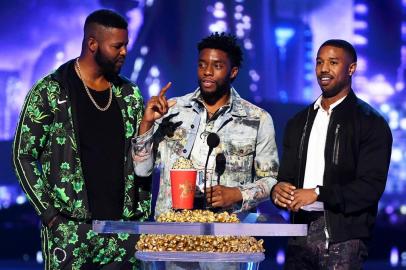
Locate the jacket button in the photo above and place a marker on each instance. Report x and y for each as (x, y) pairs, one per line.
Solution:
(184, 150)
(192, 126)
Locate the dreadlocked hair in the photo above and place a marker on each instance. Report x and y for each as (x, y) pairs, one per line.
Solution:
(225, 42)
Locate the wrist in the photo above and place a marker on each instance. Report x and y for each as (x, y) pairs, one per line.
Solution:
(238, 197)
(145, 126)
(317, 191)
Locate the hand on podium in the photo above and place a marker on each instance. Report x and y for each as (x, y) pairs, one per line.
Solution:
(222, 196)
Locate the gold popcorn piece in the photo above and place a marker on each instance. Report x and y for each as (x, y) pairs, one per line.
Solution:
(199, 243)
(183, 163)
(203, 216)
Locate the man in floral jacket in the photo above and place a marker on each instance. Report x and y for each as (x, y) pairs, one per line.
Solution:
(72, 152)
(247, 137)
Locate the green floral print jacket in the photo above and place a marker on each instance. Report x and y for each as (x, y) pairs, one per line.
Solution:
(46, 155)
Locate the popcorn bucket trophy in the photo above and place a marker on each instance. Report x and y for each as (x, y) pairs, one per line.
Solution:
(183, 184)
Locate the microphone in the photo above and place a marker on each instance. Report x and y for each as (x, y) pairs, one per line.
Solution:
(220, 166)
(212, 141)
(219, 170)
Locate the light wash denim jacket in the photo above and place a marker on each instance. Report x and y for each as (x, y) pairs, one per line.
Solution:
(247, 139)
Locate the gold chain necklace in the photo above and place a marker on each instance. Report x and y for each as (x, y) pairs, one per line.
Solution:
(88, 91)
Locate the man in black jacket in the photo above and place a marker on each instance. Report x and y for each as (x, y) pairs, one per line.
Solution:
(333, 171)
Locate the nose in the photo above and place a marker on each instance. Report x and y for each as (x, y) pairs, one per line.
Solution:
(208, 70)
(123, 51)
(325, 67)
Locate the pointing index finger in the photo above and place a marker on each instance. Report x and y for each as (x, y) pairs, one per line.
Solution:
(164, 89)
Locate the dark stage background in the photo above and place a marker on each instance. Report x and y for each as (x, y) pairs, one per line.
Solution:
(280, 39)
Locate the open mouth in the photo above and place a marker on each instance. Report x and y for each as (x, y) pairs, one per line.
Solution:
(324, 80)
(208, 83)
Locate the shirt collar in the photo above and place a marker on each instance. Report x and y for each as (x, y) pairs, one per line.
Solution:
(235, 106)
(317, 104)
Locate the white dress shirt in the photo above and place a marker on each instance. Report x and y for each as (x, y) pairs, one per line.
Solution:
(315, 152)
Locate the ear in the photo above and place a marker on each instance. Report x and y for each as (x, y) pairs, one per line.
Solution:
(352, 68)
(233, 73)
(92, 44)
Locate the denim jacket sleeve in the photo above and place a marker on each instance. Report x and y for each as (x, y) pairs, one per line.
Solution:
(142, 153)
(266, 165)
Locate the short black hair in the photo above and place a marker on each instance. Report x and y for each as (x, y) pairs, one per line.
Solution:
(106, 18)
(225, 42)
(345, 45)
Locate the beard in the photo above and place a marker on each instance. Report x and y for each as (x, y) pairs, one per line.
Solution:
(335, 90)
(211, 97)
(107, 66)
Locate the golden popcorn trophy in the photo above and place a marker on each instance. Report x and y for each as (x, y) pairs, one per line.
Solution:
(201, 239)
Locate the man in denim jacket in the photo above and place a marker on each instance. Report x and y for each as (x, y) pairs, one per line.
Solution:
(179, 128)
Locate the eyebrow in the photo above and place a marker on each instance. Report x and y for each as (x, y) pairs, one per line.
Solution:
(125, 42)
(330, 58)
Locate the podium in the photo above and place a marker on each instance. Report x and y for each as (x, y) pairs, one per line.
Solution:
(251, 224)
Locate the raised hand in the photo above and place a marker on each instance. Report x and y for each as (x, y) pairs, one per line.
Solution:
(155, 109)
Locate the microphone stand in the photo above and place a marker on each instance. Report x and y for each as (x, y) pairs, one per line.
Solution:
(205, 180)
(213, 141)
(220, 168)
